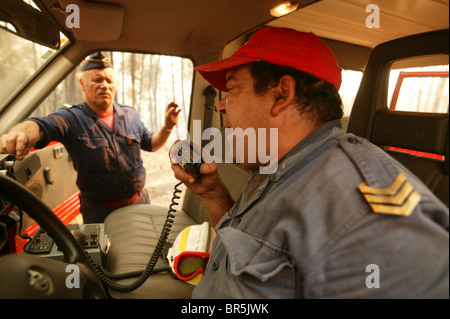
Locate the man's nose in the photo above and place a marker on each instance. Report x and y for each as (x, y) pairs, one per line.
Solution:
(105, 83)
(221, 106)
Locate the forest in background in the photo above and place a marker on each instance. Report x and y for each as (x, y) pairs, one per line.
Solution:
(146, 82)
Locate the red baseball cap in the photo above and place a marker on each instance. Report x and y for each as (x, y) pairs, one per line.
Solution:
(281, 46)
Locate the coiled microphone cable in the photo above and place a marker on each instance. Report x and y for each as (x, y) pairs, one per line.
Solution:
(108, 279)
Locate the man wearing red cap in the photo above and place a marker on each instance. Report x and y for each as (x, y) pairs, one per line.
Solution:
(310, 229)
(103, 138)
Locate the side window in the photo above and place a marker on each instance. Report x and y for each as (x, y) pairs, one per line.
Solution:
(145, 81)
(350, 84)
(149, 83)
(349, 87)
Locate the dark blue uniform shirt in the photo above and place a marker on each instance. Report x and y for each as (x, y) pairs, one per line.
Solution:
(108, 162)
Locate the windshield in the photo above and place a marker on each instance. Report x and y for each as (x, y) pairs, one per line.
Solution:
(19, 60)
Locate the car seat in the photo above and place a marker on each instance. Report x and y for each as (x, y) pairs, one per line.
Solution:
(425, 132)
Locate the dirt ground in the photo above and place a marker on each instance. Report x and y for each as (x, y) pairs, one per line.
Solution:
(160, 181)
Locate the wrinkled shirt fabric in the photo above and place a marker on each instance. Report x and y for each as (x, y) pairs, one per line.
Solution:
(307, 232)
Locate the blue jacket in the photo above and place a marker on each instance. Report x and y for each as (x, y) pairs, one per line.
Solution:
(108, 162)
(307, 231)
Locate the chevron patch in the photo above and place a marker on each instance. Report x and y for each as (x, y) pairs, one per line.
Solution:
(400, 198)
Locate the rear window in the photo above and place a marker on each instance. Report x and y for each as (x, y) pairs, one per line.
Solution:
(420, 88)
(419, 85)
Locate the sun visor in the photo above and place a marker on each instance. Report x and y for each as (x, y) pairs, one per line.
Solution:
(98, 22)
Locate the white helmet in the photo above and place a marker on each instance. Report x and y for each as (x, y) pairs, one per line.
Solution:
(190, 252)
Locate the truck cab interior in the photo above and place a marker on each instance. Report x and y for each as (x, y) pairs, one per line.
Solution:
(383, 43)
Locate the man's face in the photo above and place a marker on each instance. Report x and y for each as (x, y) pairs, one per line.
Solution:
(248, 111)
(99, 88)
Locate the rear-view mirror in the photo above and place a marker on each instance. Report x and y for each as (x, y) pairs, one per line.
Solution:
(29, 23)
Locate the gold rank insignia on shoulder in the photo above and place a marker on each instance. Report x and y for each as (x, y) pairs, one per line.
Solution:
(398, 199)
(68, 105)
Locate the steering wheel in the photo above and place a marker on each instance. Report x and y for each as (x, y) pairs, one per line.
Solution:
(30, 276)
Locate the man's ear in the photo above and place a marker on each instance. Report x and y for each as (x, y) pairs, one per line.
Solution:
(284, 94)
(81, 83)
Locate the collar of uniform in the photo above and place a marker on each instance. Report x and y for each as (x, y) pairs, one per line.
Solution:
(88, 110)
(256, 184)
(118, 109)
(251, 193)
(305, 147)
